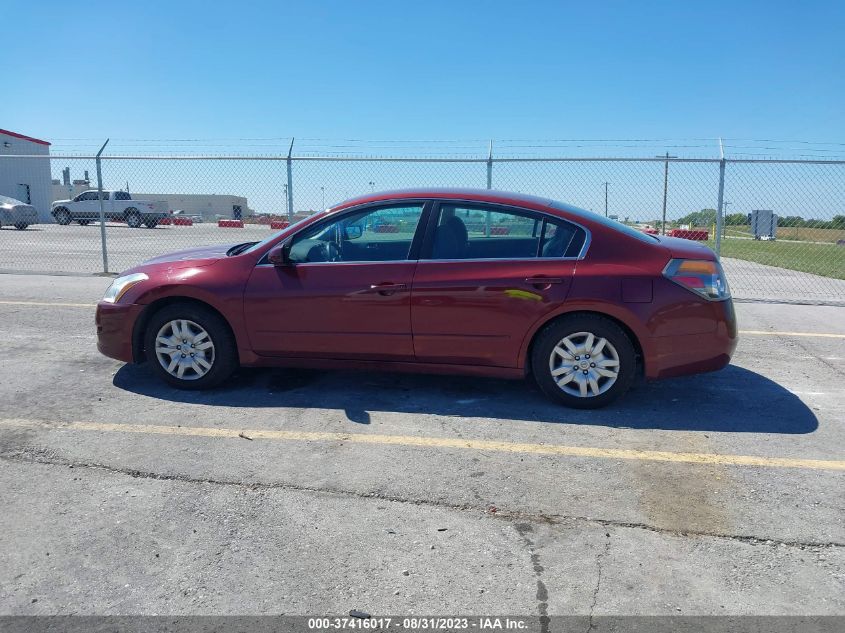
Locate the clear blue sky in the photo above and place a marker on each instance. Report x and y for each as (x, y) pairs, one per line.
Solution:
(423, 70)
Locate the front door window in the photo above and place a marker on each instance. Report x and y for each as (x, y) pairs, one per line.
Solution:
(372, 235)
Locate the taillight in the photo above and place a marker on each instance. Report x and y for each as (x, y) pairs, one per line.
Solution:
(703, 277)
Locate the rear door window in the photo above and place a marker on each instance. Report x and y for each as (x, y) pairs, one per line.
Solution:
(481, 232)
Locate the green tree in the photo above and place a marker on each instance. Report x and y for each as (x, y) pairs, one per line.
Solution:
(792, 220)
(705, 217)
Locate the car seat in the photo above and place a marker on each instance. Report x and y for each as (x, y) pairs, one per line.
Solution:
(451, 239)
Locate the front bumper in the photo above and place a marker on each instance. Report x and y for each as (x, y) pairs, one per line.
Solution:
(115, 325)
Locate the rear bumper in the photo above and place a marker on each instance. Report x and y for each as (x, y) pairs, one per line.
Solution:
(19, 216)
(682, 355)
(115, 324)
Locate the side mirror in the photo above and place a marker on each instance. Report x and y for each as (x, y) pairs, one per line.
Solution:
(353, 231)
(280, 256)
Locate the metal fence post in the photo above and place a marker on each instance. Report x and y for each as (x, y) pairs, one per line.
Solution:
(102, 209)
(489, 186)
(665, 189)
(490, 167)
(290, 183)
(721, 201)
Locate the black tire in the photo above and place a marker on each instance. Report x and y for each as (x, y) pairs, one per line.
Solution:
(151, 224)
(83, 222)
(572, 325)
(133, 218)
(63, 216)
(225, 359)
(20, 226)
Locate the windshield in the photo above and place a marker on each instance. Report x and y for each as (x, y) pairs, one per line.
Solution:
(272, 237)
(8, 200)
(600, 219)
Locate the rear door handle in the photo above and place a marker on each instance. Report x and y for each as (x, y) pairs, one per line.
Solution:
(386, 289)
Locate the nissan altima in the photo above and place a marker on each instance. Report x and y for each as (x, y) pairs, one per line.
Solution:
(456, 281)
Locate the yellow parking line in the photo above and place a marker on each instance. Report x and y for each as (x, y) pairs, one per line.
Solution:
(51, 304)
(767, 333)
(436, 442)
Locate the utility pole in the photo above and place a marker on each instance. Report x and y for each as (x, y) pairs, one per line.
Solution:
(665, 187)
(323, 198)
(605, 198)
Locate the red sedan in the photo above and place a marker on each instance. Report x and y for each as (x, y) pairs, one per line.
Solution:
(449, 281)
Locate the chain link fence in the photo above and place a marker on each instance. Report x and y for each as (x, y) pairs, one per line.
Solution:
(185, 202)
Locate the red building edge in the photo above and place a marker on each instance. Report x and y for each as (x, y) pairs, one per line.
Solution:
(23, 137)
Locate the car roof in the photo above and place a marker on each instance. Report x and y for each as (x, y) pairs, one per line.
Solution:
(461, 193)
(472, 195)
(537, 203)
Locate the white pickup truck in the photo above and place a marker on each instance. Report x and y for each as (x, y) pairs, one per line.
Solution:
(117, 205)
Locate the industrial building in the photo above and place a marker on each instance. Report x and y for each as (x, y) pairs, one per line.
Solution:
(67, 189)
(211, 207)
(26, 179)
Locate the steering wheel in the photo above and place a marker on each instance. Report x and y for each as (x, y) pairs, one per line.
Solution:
(332, 252)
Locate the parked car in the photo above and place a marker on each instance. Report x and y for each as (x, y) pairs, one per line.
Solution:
(580, 303)
(16, 213)
(195, 218)
(118, 207)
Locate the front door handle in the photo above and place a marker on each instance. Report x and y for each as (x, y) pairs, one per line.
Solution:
(387, 289)
(542, 283)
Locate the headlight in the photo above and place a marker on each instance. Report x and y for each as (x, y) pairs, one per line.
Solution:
(120, 285)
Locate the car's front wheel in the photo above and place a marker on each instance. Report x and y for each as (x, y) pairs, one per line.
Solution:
(20, 226)
(190, 347)
(583, 361)
(63, 216)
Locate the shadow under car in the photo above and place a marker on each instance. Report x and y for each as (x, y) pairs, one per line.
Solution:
(732, 400)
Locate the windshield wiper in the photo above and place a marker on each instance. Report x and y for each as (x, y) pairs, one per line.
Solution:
(240, 248)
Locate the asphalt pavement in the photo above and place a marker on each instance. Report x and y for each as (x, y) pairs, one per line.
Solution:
(307, 492)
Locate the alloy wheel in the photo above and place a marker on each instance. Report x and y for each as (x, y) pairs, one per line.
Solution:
(184, 349)
(584, 365)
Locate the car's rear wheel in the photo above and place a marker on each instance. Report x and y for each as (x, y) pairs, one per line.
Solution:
(151, 224)
(83, 222)
(133, 218)
(583, 361)
(20, 226)
(190, 347)
(63, 216)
